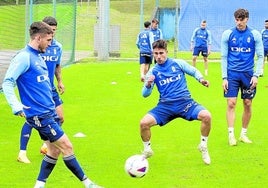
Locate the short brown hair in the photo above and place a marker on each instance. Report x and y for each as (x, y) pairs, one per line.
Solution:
(241, 13)
(39, 28)
(162, 44)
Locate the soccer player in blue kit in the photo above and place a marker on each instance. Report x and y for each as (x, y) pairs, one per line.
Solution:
(157, 33)
(155, 30)
(29, 72)
(52, 57)
(201, 42)
(238, 48)
(264, 34)
(169, 76)
(144, 43)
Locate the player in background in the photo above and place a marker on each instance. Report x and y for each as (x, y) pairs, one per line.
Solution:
(29, 72)
(201, 42)
(169, 76)
(144, 43)
(264, 34)
(238, 48)
(156, 31)
(52, 57)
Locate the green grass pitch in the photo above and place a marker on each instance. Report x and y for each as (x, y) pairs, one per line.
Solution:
(103, 101)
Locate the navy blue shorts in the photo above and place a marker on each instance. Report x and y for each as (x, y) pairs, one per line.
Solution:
(265, 52)
(203, 50)
(186, 108)
(240, 81)
(47, 126)
(146, 58)
(56, 97)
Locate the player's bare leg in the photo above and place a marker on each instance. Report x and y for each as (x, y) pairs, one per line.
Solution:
(230, 116)
(245, 121)
(205, 117)
(142, 71)
(145, 131)
(194, 60)
(206, 65)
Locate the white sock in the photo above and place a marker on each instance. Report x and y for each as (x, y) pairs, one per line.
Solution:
(243, 132)
(39, 184)
(147, 145)
(22, 152)
(86, 182)
(231, 131)
(204, 141)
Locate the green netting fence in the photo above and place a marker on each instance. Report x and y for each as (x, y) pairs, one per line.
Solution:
(17, 15)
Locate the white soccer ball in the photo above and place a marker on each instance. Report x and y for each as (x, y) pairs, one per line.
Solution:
(136, 166)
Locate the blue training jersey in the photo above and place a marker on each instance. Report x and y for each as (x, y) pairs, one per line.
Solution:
(157, 33)
(144, 41)
(170, 79)
(238, 49)
(52, 57)
(201, 37)
(264, 34)
(29, 71)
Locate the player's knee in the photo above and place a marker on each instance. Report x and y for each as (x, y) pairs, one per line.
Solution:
(205, 116)
(144, 125)
(231, 104)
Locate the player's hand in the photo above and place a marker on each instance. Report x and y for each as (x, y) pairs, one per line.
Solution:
(20, 113)
(61, 88)
(204, 82)
(225, 85)
(253, 82)
(149, 81)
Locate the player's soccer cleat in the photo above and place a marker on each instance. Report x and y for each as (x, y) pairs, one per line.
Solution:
(93, 185)
(232, 141)
(147, 153)
(205, 155)
(245, 139)
(23, 158)
(43, 149)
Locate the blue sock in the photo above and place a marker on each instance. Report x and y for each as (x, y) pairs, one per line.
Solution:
(47, 166)
(25, 135)
(74, 166)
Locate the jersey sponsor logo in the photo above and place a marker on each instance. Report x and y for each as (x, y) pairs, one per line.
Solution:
(240, 49)
(50, 58)
(169, 80)
(248, 91)
(42, 78)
